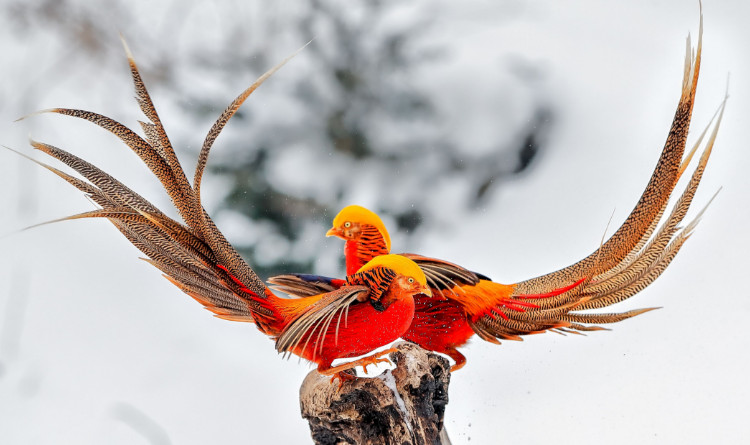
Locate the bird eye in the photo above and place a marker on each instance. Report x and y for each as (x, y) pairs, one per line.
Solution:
(347, 224)
(411, 280)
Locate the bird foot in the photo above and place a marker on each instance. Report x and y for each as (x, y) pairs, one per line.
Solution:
(343, 376)
(375, 359)
(337, 372)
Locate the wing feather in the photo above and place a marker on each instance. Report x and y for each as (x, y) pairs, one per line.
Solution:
(312, 319)
(648, 208)
(635, 256)
(196, 257)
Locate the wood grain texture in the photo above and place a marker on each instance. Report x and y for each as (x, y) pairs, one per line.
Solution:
(367, 411)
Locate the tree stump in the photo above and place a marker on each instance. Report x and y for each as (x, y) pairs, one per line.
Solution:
(398, 407)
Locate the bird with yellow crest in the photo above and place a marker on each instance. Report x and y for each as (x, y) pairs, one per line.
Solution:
(470, 303)
(371, 308)
(434, 303)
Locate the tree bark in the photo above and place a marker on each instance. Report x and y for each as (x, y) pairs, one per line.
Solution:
(398, 407)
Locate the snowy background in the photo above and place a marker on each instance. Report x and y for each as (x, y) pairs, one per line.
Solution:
(96, 347)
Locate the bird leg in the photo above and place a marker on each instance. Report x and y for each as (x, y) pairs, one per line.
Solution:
(457, 356)
(337, 372)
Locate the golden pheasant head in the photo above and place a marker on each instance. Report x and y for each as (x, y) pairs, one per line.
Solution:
(352, 221)
(390, 278)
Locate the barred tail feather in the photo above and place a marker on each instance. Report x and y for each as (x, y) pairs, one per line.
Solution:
(651, 202)
(196, 257)
(636, 255)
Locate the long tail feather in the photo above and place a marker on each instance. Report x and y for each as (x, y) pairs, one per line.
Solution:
(639, 251)
(656, 194)
(224, 118)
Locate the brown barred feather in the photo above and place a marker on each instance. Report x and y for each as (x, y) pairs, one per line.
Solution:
(195, 256)
(215, 130)
(167, 262)
(183, 235)
(215, 239)
(584, 328)
(548, 314)
(648, 255)
(94, 193)
(185, 275)
(634, 256)
(152, 137)
(209, 300)
(144, 246)
(491, 335)
(604, 318)
(493, 327)
(654, 224)
(297, 287)
(154, 234)
(160, 142)
(238, 318)
(642, 281)
(656, 194)
(524, 327)
(231, 259)
(112, 188)
(150, 156)
(636, 269)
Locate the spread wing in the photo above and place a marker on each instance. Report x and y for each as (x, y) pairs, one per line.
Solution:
(195, 256)
(644, 218)
(443, 275)
(313, 323)
(304, 285)
(633, 257)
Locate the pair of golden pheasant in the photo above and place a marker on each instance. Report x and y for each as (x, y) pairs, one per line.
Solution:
(434, 303)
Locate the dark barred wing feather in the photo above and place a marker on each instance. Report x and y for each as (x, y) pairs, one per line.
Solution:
(304, 285)
(195, 256)
(634, 256)
(443, 275)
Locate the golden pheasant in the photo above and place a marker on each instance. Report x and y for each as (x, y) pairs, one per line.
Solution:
(472, 304)
(372, 308)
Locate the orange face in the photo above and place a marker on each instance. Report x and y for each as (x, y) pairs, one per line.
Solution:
(347, 231)
(391, 278)
(352, 221)
(401, 287)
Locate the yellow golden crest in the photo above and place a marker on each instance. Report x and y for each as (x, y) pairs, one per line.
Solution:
(361, 215)
(399, 264)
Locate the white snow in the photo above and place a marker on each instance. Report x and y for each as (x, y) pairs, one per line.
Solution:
(390, 382)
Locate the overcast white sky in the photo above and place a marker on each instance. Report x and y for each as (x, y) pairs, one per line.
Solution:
(100, 341)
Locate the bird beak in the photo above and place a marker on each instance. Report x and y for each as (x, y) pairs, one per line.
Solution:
(427, 291)
(333, 231)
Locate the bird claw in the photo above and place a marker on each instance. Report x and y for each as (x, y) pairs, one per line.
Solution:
(339, 372)
(376, 359)
(342, 376)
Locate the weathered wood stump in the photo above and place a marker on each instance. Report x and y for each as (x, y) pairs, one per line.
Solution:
(402, 406)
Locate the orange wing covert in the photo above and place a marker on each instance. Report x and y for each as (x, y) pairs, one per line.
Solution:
(627, 263)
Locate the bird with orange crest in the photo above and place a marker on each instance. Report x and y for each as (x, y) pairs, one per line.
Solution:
(468, 303)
